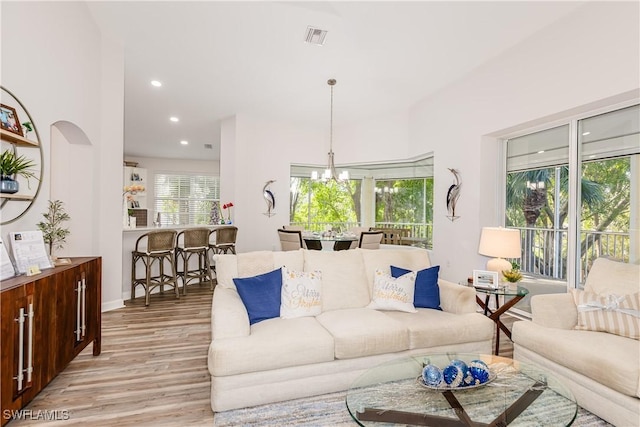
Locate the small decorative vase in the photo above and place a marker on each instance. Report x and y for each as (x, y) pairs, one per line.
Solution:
(132, 222)
(9, 185)
(229, 222)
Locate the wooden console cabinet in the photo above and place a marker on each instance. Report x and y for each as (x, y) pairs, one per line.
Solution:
(46, 320)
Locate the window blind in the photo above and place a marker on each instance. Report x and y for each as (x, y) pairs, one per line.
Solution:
(182, 199)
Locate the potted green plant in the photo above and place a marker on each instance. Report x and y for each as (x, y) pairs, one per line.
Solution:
(12, 165)
(27, 127)
(53, 232)
(512, 276)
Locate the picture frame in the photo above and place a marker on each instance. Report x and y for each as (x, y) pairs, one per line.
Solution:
(485, 279)
(9, 120)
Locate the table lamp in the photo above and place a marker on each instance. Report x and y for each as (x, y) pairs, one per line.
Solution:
(500, 243)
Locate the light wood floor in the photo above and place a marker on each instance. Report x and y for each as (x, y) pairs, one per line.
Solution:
(152, 370)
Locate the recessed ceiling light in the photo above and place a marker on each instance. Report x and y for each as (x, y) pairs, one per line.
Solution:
(184, 142)
(541, 151)
(586, 133)
(156, 83)
(174, 119)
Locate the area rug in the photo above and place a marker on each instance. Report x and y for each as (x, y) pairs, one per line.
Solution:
(327, 410)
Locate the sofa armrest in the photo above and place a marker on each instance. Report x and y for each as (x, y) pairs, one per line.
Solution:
(229, 316)
(456, 298)
(554, 311)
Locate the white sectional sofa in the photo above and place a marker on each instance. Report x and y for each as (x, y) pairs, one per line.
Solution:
(602, 369)
(280, 359)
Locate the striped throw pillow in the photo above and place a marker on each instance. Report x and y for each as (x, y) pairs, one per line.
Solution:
(615, 314)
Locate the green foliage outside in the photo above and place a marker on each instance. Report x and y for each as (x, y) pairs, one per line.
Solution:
(316, 204)
(532, 202)
(411, 201)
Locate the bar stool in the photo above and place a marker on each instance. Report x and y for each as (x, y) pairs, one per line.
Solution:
(160, 247)
(193, 242)
(225, 240)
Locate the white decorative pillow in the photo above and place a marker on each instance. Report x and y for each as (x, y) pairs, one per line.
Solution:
(615, 314)
(393, 294)
(301, 293)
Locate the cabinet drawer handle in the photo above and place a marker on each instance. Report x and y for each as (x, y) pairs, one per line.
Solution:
(20, 320)
(78, 300)
(30, 345)
(84, 306)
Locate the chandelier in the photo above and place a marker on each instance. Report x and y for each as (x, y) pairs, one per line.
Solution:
(330, 172)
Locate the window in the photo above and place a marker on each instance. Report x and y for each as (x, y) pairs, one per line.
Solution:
(185, 199)
(320, 206)
(572, 191)
(385, 195)
(406, 203)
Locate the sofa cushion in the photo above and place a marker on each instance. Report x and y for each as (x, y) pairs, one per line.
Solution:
(612, 277)
(301, 293)
(344, 283)
(253, 263)
(382, 259)
(272, 344)
(427, 291)
(261, 295)
(393, 293)
(433, 328)
(615, 314)
(609, 359)
(359, 332)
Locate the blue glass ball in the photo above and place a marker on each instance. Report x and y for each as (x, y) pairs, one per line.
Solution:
(479, 371)
(460, 364)
(453, 375)
(432, 375)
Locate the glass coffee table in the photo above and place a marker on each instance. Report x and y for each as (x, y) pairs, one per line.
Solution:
(517, 394)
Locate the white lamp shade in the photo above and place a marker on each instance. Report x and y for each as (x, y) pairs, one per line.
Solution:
(500, 242)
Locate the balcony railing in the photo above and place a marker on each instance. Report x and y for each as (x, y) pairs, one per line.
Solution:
(544, 250)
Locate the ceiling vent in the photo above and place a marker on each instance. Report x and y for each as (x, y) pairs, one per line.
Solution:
(315, 36)
(208, 146)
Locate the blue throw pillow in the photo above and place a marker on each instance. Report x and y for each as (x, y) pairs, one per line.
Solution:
(427, 293)
(261, 295)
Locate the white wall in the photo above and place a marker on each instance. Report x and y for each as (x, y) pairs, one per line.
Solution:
(586, 57)
(56, 62)
(255, 150)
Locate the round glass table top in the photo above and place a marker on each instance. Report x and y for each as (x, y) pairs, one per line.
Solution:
(520, 395)
(503, 290)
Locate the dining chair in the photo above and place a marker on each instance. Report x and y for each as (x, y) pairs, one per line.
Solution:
(225, 239)
(370, 239)
(313, 244)
(293, 227)
(356, 232)
(154, 247)
(290, 240)
(342, 245)
(189, 243)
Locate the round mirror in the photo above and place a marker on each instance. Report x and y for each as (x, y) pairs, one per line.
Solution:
(21, 164)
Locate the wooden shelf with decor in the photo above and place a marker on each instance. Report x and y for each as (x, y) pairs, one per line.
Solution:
(23, 197)
(17, 139)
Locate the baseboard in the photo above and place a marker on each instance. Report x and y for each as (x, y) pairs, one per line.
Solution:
(112, 305)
